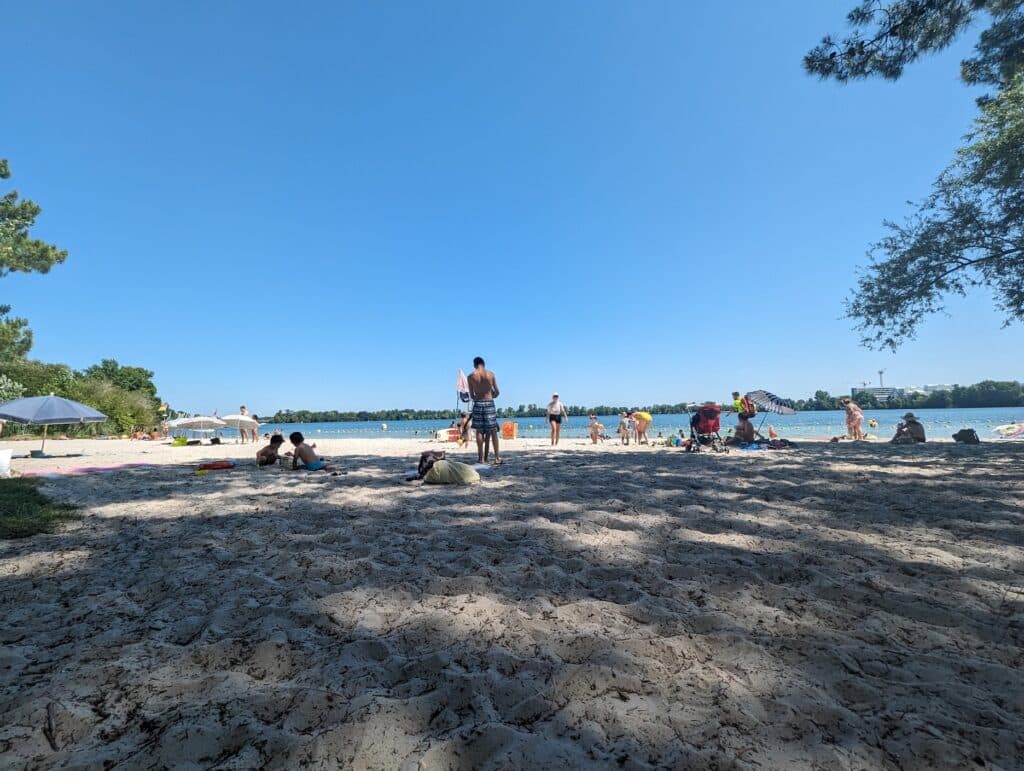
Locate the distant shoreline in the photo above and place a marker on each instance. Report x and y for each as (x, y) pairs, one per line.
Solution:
(405, 415)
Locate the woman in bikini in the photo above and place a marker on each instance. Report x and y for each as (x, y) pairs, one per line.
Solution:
(854, 419)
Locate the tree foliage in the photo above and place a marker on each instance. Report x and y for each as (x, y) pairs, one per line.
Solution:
(126, 410)
(10, 389)
(20, 252)
(129, 378)
(887, 36)
(987, 393)
(15, 336)
(126, 395)
(970, 231)
(40, 379)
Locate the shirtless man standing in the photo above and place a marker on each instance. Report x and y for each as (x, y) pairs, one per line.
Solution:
(483, 390)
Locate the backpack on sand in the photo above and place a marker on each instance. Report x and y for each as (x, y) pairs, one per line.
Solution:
(427, 459)
(966, 436)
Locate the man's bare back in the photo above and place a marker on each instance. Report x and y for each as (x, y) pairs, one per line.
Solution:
(483, 386)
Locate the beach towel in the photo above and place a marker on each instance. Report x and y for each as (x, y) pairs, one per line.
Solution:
(66, 472)
(216, 465)
(450, 472)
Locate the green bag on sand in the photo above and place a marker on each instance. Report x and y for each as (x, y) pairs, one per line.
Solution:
(450, 472)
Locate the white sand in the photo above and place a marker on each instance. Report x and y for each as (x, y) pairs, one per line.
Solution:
(833, 607)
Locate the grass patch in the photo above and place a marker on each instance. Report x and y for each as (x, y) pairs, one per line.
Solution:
(25, 511)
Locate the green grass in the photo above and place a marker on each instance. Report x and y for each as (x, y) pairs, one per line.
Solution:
(25, 511)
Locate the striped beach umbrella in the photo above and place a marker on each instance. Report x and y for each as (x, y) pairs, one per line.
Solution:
(766, 401)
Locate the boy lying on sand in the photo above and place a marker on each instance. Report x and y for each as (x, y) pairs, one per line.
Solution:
(305, 453)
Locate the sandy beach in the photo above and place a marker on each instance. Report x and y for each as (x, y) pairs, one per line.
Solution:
(837, 606)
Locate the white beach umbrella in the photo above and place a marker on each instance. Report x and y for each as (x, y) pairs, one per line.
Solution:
(197, 423)
(240, 421)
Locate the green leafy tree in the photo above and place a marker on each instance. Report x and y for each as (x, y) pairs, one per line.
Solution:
(40, 379)
(135, 379)
(970, 231)
(15, 336)
(20, 252)
(10, 389)
(126, 410)
(938, 400)
(886, 37)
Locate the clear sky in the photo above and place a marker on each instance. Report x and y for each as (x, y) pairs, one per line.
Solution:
(337, 204)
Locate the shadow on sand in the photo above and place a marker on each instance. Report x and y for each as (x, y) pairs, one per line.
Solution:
(837, 606)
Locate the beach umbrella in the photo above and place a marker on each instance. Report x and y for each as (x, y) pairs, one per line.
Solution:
(766, 401)
(49, 411)
(240, 421)
(197, 423)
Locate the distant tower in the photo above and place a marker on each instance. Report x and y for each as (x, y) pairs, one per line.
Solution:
(881, 383)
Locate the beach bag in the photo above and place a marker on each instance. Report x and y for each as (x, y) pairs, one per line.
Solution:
(427, 459)
(450, 472)
(966, 436)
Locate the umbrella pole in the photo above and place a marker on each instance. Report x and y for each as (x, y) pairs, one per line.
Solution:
(764, 416)
(43, 445)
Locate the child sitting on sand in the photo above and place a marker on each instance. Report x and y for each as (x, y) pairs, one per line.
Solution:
(305, 453)
(269, 454)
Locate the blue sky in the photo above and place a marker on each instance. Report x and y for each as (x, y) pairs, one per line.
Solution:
(336, 205)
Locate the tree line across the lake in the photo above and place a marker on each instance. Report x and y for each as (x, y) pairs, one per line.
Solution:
(987, 393)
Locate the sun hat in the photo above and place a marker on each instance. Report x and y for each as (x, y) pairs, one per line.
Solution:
(910, 416)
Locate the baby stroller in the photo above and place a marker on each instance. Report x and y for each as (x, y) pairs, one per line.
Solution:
(705, 424)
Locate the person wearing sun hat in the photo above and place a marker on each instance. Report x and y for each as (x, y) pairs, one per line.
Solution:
(910, 431)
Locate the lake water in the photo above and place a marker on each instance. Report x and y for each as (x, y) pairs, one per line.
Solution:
(938, 423)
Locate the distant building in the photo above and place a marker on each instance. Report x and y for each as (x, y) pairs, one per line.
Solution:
(927, 390)
(881, 394)
(885, 394)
